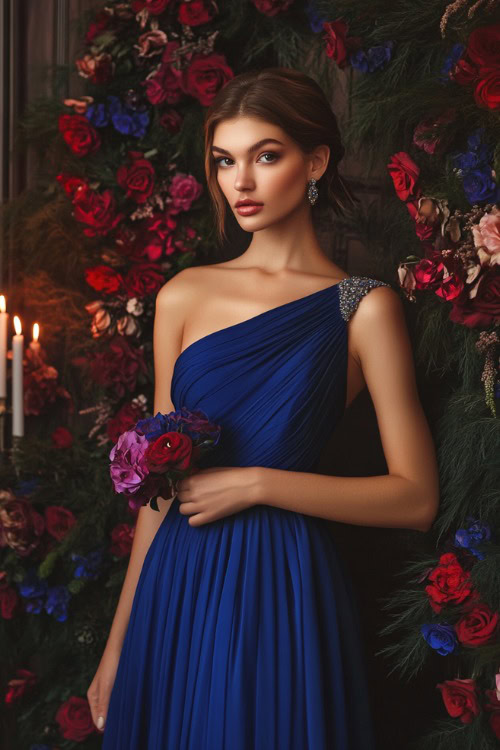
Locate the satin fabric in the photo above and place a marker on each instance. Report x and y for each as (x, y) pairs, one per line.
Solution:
(244, 632)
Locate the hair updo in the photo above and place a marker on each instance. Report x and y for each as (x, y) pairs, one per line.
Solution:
(297, 104)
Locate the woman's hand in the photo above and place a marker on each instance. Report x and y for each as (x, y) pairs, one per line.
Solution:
(100, 688)
(217, 492)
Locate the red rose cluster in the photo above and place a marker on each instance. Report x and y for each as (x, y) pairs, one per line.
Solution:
(479, 66)
(461, 700)
(75, 719)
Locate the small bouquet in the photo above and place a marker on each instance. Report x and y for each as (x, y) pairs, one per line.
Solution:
(147, 459)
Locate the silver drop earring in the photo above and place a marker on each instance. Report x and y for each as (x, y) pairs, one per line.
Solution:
(312, 191)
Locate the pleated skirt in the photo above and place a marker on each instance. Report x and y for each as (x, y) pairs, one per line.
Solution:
(244, 634)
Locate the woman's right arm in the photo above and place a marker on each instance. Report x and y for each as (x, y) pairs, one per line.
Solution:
(167, 343)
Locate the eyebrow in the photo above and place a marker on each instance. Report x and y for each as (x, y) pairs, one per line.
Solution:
(252, 148)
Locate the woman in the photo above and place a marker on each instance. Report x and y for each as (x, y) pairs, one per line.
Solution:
(236, 626)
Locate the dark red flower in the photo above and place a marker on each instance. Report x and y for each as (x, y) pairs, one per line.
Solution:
(404, 173)
(195, 12)
(450, 583)
(74, 719)
(483, 309)
(143, 279)
(477, 626)
(104, 279)
(173, 450)
(124, 420)
(58, 521)
(18, 686)
(205, 76)
(460, 699)
(97, 210)
(79, 134)
(122, 537)
(487, 91)
(9, 599)
(62, 438)
(155, 7)
(118, 367)
(272, 7)
(137, 178)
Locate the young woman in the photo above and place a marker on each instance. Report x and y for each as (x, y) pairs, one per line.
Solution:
(237, 628)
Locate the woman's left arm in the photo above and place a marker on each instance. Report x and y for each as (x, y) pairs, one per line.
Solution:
(406, 497)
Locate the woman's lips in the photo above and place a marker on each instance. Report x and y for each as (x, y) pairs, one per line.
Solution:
(249, 210)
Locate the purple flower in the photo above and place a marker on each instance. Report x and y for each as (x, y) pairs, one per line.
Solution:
(442, 638)
(194, 423)
(97, 115)
(127, 121)
(128, 466)
(57, 602)
(479, 185)
(374, 59)
(315, 21)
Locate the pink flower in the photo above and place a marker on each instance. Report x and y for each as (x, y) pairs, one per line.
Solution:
(487, 237)
(129, 471)
(184, 189)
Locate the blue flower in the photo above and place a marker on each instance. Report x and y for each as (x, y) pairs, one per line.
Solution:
(477, 533)
(39, 747)
(127, 121)
(88, 567)
(97, 115)
(442, 638)
(57, 602)
(315, 21)
(153, 427)
(479, 185)
(34, 590)
(450, 62)
(28, 486)
(375, 58)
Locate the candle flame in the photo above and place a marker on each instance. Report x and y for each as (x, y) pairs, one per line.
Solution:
(2, 303)
(17, 325)
(36, 331)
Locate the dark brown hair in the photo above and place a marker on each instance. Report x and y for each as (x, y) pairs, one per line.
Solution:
(297, 104)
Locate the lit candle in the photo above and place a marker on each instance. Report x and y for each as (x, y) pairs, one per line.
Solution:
(35, 344)
(17, 380)
(4, 317)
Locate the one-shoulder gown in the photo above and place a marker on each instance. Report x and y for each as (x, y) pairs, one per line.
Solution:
(244, 633)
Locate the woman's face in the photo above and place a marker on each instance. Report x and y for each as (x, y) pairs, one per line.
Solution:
(258, 161)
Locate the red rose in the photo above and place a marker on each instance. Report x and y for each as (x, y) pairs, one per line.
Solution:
(272, 7)
(62, 438)
(194, 13)
(464, 72)
(123, 420)
(70, 183)
(19, 685)
(483, 46)
(335, 38)
(428, 273)
(460, 699)
(97, 210)
(171, 121)
(58, 521)
(138, 178)
(205, 76)
(487, 92)
(74, 719)
(163, 86)
(21, 526)
(155, 7)
(122, 537)
(450, 582)
(118, 367)
(143, 279)
(104, 279)
(99, 24)
(9, 598)
(404, 173)
(79, 134)
(484, 309)
(450, 287)
(477, 626)
(170, 451)
(493, 705)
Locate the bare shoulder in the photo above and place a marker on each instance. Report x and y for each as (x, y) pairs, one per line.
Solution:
(181, 288)
(378, 314)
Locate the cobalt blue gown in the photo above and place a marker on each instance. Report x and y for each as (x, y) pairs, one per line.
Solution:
(244, 632)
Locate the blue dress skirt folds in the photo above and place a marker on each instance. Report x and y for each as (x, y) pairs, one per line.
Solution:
(244, 632)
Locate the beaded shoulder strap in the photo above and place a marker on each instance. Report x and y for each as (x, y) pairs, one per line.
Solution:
(352, 290)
